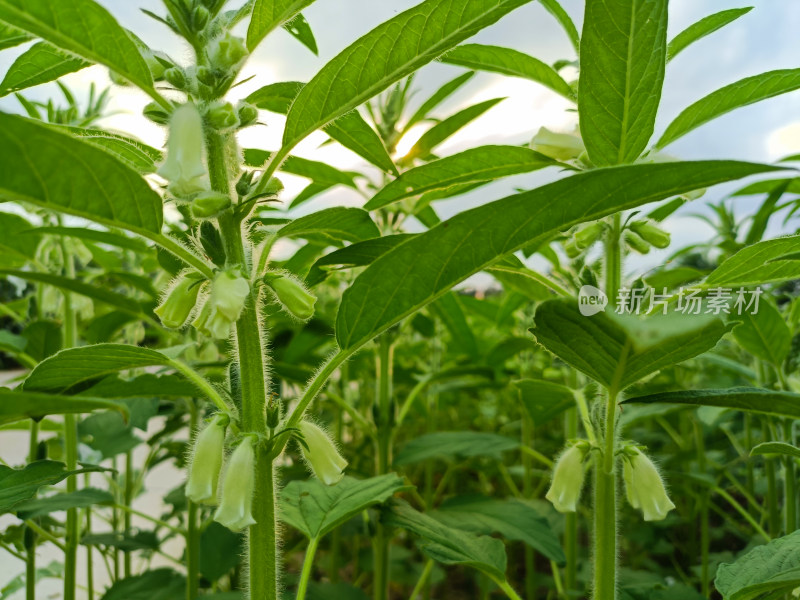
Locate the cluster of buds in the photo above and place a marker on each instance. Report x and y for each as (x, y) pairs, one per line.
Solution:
(291, 294)
(644, 486)
(568, 476)
(640, 235)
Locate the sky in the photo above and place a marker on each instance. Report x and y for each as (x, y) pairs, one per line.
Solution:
(765, 39)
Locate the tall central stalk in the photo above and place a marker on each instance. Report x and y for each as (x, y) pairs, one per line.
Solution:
(262, 546)
(384, 393)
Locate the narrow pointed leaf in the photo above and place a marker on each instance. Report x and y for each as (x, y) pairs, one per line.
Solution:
(764, 333)
(135, 154)
(385, 55)
(56, 171)
(561, 15)
(271, 14)
(300, 30)
(84, 498)
(10, 37)
(399, 283)
(497, 59)
(736, 95)
(771, 402)
(333, 226)
(702, 28)
(18, 243)
(439, 96)
(623, 54)
(318, 172)
(770, 261)
(775, 448)
(16, 405)
(39, 64)
(94, 235)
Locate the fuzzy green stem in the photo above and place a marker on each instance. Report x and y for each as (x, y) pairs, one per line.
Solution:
(605, 510)
(507, 589)
(613, 259)
(192, 530)
(30, 535)
(571, 519)
(209, 391)
(384, 458)
(308, 565)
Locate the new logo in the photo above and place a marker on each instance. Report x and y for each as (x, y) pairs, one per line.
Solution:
(591, 300)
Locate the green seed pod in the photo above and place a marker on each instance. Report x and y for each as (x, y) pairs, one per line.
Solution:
(644, 486)
(207, 205)
(238, 485)
(588, 235)
(179, 302)
(227, 52)
(568, 475)
(222, 116)
(200, 18)
(635, 241)
(153, 112)
(292, 295)
(205, 76)
(321, 454)
(248, 114)
(206, 463)
(175, 77)
(184, 166)
(651, 233)
(559, 146)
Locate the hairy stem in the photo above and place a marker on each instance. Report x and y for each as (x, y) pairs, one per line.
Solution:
(605, 510)
(308, 565)
(384, 459)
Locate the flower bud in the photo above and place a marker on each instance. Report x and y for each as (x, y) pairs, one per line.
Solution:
(207, 454)
(223, 117)
(559, 146)
(200, 18)
(588, 235)
(293, 296)
(321, 454)
(651, 233)
(155, 113)
(568, 474)
(175, 77)
(644, 487)
(571, 248)
(205, 76)
(636, 242)
(207, 205)
(224, 304)
(238, 484)
(184, 167)
(248, 114)
(227, 52)
(157, 68)
(178, 303)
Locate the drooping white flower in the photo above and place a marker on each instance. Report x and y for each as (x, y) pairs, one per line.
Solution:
(223, 306)
(644, 486)
(184, 166)
(321, 454)
(207, 454)
(568, 475)
(238, 485)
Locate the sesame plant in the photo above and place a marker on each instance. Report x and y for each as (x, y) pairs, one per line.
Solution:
(339, 417)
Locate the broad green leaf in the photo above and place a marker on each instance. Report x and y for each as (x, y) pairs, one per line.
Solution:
(333, 225)
(82, 28)
(94, 235)
(512, 519)
(758, 400)
(450, 445)
(476, 165)
(319, 172)
(158, 584)
(41, 63)
(72, 367)
(18, 485)
(16, 405)
(38, 507)
(617, 355)
(439, 96)
(702, 28)
(399, 283)
(561, 15)
(507, 61)
(45, 338)
(142, 386)
(56, 171)
(623, 54)
(764, 334)
(276, 97)
(70, 284)
(355, 255)
(447, 545)
(760, 263)
(447, 127)
(773, 568)
(385, 55)
(736, 95)
(10, 37)
(544, 400)
(17, 247)
(220, 551)
(133, 153)
(776, 448)
(271, 14)
(673, 278)
(315, 508)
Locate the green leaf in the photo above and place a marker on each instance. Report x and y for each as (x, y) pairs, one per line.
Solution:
(333, 225)
(82, 28)
(450, 445)
(769, 186)
(773, 568)
(775, 448)
(45, 338)
(385, 55)
(142, 386)
(760, 263)
(10, 37)
(220, 551)
(354, 255)
(447, 127)
(702, 28)
(512, 519)
(158, 584)
(16, 405)
(623, 52)
(786, 404)
(17, 248)
(544, 400)
(18, 485)
(276, 97)
(94, 235)
(555, 9)
(449, 311)
(269, 15)
(744, 92)
(70, 284)
(38, 507)
(447, 545)
(497, 59)
(315, 508)
(301, 31)
(764, 334)
(73, 367)
(420, 270)
(439, 96)
(618, 352)
(56, 171)
(477, 165)
(318, 172)
(133, 153)
(41, 63)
